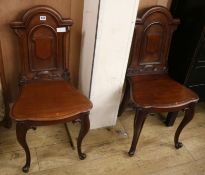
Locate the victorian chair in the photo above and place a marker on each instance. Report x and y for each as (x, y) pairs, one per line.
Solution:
(4, 96)
(148, 85)
(46, 94)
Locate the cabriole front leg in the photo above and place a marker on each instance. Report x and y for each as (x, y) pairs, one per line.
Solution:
(189, 114)
(85, 126)
(21, 130)
(140, 117)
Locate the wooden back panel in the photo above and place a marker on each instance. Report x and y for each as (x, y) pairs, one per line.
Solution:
(42, 46)
(151, 42)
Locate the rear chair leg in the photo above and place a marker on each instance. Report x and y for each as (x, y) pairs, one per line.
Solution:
(7, 120)
(125, 99)
(189, 114)
(21, 130)
(69, 136)
(171, 117)
(85, 126)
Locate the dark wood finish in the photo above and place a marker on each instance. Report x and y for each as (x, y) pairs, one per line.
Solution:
(149, 87)
(151, 41)
(171, 117)
(47, 96)
(126, 98)
(85, 125)
(187, 56)
(21, 130)
(52, 100)
(159, 92)
(140, 117)
(189, 114)
(69, 136)
(7, 120)
(42, 56)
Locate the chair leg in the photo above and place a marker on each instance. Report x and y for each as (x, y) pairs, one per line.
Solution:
(7, 119)
(7, 122)
(69, 136)
(21, 131)
(125, 99)
(139, 120)
(171, 117)
(189, 114)
(85, 126)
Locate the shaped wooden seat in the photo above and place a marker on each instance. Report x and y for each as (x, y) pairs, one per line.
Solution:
(148, 85)
(162, 92)
(49, 101)
(46, 94)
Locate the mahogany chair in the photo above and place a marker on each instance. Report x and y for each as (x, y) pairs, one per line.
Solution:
(46, 96)
(148, 85)
(4, 96)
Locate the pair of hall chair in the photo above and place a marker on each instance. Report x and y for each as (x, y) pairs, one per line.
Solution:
(47, 96)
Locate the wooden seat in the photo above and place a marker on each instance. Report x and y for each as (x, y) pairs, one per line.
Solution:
(148, 85)
(49, 101)
(161, 92)
(46, 94)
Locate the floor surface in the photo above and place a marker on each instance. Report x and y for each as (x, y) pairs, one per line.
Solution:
(107, 148)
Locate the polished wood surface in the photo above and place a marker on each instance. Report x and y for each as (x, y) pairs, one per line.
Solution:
(49, 100)
(151, 42)
(148, 85)
(43, 53)
(46, 95)
(160, 92)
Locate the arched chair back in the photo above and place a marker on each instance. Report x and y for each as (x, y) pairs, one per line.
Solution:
(151, 42)
(42, 40)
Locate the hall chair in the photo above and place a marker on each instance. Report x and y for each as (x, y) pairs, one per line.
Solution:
(46, 95)
(4, 96)
(149, 88)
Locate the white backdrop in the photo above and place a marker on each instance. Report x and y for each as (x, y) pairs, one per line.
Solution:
(114, 36)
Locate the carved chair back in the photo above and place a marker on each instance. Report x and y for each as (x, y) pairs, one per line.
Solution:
(151, 42)
(42, 40)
